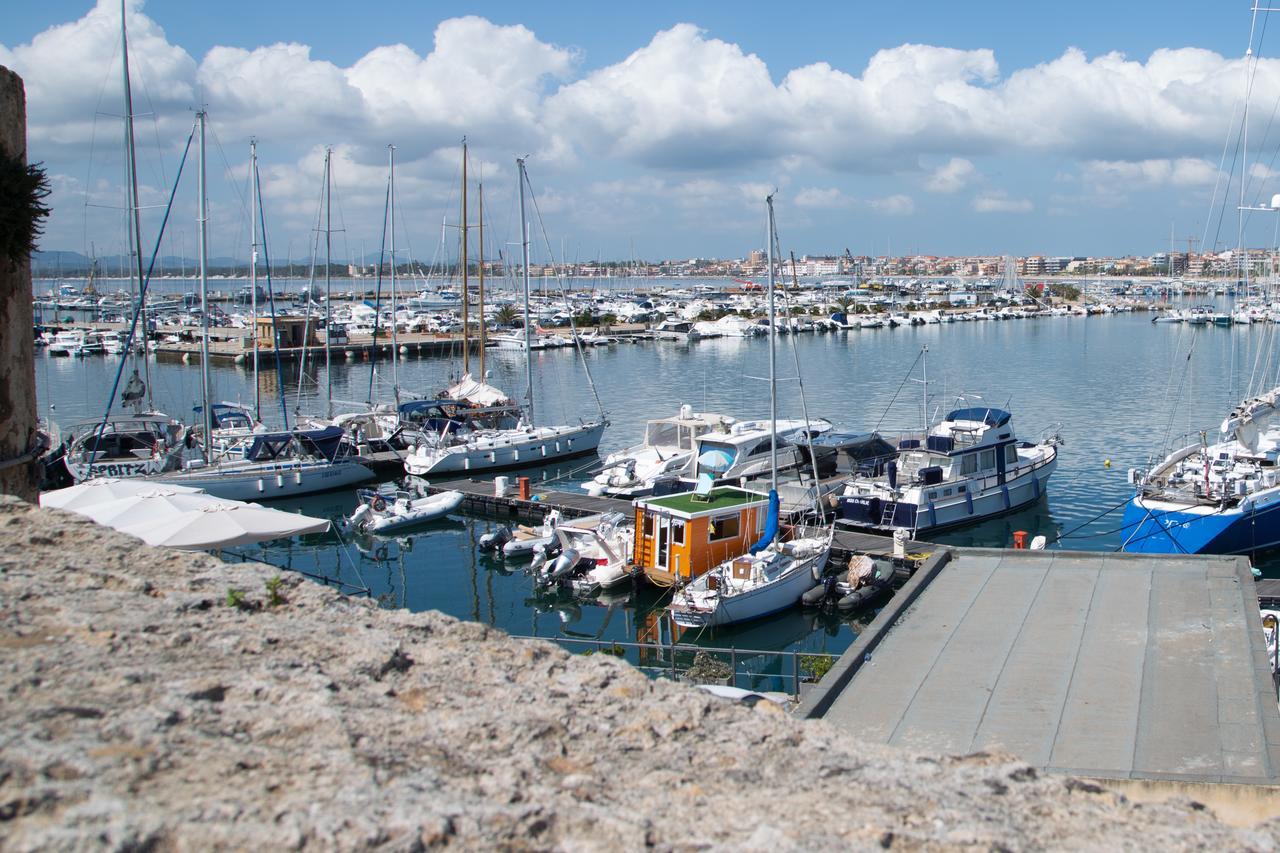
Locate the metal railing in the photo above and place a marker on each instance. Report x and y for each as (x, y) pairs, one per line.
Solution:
(674, 659)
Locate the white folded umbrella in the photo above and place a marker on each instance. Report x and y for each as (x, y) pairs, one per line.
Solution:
(104, 489)
(156, 504)
(222, 526)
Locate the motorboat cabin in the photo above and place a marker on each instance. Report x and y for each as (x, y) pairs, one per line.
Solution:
(668, 446)
(966, 469)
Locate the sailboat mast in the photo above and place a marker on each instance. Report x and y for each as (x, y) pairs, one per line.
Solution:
(395, 342)
(134, 217)
(253, 271)
(328, 284)
(483, 330)
(524, 254)
(924, 387)
(204, 300)
(773, 365)
(463, 259)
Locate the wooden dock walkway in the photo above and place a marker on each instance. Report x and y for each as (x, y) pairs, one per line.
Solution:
(480, 498)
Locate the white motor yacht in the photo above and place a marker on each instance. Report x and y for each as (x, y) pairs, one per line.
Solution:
(666, 450)
(966, 469)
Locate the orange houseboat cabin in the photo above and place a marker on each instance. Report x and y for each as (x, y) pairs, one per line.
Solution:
(679, 537)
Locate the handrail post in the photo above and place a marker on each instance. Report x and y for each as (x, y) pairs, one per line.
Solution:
(795, 672)
(733, 665)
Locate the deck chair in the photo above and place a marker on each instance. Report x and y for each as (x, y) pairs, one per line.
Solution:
(702, 491)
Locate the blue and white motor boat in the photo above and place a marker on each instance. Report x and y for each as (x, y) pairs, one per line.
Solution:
(966, 469)
(1220, 498)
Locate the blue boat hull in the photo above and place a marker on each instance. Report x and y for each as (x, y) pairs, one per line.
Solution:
(1230, 531)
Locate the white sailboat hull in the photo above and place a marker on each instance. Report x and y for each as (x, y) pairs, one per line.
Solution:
(780, 594)
(259, 482)
(492, 451)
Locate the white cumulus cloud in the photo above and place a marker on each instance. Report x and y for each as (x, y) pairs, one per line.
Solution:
(894, 205)
(952, 176)
(995, 202)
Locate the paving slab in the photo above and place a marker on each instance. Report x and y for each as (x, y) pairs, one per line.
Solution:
(1118, 665)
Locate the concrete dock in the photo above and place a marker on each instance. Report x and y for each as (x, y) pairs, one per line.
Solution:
(1106, 665)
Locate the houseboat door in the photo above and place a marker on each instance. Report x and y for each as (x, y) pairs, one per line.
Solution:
(670, 540)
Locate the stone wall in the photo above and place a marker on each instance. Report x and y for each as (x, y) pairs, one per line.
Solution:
(17, 363)
(142, 707)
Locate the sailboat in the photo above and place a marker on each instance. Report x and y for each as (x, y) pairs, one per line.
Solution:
(783, 563)
(1219, 496)
(143, 441)
(259, 465)
(494, 449)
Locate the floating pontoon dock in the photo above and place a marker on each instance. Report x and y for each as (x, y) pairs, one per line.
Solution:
(1122, 666)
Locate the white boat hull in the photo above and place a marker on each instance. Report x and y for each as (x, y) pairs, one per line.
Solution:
(420, 511)
(536, 446)
(783, 593)
(250, 482)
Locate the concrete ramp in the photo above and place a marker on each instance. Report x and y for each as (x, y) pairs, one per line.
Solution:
(1123, 666)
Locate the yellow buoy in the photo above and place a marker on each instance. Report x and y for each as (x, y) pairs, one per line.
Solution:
(1106, 463)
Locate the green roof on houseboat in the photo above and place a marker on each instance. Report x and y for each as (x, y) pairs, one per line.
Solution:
(725, 497)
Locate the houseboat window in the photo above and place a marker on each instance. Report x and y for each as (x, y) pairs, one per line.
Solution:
(960, 490)
(969, 463)
(946, 493)
(648, 525)
(933, 496)
(1011, 454)
(723, 528)
(677, 532)
(988, 459)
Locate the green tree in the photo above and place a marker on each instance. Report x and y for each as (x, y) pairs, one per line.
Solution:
(506, 315)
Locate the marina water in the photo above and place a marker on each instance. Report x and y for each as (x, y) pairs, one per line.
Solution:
(1118, 384)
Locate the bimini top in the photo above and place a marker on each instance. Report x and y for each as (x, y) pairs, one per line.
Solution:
(990, 417)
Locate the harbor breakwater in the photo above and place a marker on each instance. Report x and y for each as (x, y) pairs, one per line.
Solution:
(155, 699)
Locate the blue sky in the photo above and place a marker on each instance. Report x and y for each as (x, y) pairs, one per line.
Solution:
(655, 129)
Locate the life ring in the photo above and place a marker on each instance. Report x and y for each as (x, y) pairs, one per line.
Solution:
(378, 504)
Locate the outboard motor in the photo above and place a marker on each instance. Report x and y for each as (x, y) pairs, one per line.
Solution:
(539, 560)
(357, 519)
(493, 541)
(564, 564)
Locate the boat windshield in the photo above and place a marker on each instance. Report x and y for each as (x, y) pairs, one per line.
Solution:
(668, 434)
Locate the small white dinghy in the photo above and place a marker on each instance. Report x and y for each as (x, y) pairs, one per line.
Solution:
(383, 512)
(522, 542)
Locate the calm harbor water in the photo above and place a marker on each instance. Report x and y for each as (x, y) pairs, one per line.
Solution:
(1110, 381)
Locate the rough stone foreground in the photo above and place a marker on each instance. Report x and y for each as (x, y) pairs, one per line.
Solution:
(140, 710)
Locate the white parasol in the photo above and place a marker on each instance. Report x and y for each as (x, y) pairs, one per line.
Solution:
(222, 526)
(156, 504)
(77, 497)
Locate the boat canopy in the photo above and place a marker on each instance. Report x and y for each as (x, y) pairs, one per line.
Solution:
(470, 390)
(226, 415)
(990, 417)
(272, 445)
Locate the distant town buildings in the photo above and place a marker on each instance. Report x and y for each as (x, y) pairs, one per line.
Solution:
(1226, 264)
